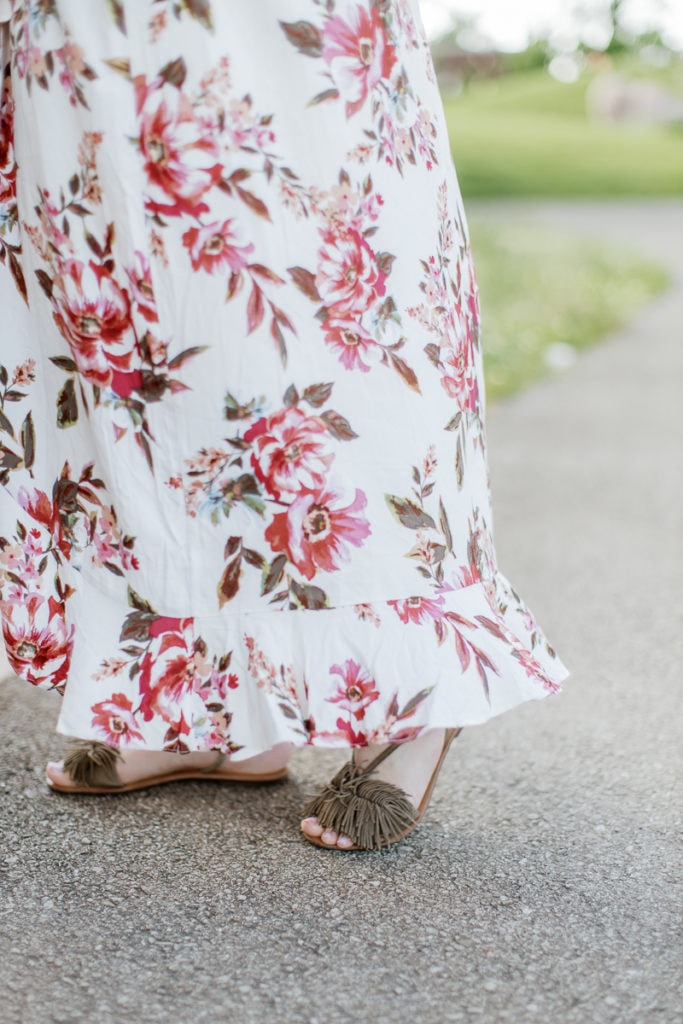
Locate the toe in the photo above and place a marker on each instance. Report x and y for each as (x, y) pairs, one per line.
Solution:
(311, 827)
(344, 842)
(329, 837)
(55, 774)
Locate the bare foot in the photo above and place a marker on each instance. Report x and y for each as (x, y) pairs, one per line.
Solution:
(410, 767)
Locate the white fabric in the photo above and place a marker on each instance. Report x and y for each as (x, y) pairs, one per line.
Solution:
(246, 492)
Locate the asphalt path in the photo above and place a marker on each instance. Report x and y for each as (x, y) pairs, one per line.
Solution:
(544, 884)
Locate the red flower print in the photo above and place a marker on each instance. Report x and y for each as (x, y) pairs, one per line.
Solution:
(316, 533)
(93, 314)
(358, 53)
(348, 278)
(291, 452)
(39, 507)
(124, 384)
(115, 721)
(350, 341)
(165, 624)
(417, 609)
(179, 148)
(213, 248)
(354, 739)
(225, 683)
(8, 166)
(356, 691)
(167, 669)
(38, 640)
(141, 288)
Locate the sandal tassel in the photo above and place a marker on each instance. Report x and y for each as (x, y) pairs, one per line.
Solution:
(371, 812)
(90, 763)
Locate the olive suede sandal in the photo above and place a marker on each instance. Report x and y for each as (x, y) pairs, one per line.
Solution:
(91, 767)
(372, 813)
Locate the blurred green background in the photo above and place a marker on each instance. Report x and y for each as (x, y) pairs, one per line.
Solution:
(526, 134)
(543, 124)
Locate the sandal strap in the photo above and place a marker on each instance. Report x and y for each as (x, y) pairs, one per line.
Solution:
(369, 768)
(215, 764)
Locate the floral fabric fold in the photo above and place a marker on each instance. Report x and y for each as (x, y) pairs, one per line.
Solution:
(242, 454)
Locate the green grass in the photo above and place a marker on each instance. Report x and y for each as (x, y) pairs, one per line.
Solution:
(539, 288)
(528, 135)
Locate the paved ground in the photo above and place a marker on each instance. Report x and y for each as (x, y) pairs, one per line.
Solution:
(541, 886)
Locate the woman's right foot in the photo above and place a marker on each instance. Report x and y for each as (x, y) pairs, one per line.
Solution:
(133, 767)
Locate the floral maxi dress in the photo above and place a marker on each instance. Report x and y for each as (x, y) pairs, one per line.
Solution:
(244, 486)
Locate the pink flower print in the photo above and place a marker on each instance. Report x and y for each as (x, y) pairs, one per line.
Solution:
(43, 510)
(366, 613)
(36, 62)
(108, 543)
(418, 609)
(179, 148)
(350, 342)
(141, 288)
(73, 65)
(55, 238)
(344, 198)
(93, 314)
(358, 52)
(356, 690)
(115, 721)
(12, 557)
(291, 452)
(213, 248)
(534, 670)
(348, 278)
(459, 378)
(37, 640)
(259, 666)
(529, 621)
(316, 530)
(24, 374)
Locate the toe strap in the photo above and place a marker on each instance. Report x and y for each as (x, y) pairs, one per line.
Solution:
(90, 763)
(371, 812)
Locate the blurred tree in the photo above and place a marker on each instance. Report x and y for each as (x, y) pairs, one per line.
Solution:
(538, 54)
(615, 10)
(613, 14)
(462, 53)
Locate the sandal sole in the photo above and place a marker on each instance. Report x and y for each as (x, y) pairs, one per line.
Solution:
(160, 780)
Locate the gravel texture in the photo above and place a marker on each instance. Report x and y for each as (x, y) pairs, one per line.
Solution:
(541, 886)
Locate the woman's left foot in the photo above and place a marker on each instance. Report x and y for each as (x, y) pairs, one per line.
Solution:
(411, 768)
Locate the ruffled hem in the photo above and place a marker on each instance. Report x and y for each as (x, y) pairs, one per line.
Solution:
(338, 677)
